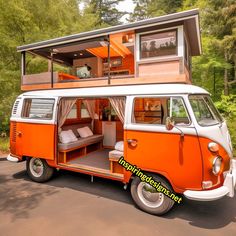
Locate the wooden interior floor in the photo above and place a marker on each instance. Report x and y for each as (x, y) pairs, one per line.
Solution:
(98, 159)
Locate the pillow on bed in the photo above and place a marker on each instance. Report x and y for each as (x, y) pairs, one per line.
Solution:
(120, 146)
(67, 136)
(85, 132)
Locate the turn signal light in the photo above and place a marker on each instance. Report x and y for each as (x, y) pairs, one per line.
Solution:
(206, 184)
(213, 147)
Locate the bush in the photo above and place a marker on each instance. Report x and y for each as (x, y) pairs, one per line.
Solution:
(227, 107)
(4, 144)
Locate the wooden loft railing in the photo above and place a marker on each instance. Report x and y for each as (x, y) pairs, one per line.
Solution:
(98, 82)
(149, 72)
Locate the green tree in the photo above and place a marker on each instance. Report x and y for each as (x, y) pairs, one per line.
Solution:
(218, 61)
(219, 21)
(150, 8)
(107, 12)
(27, 21)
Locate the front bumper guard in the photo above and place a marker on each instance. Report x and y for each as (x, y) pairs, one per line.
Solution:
(12, 158)
(226, 190)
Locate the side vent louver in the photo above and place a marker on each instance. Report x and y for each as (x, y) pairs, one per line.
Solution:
(14, 110)
(13, 132)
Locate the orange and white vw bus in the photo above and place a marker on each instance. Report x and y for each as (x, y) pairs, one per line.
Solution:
(171, 132)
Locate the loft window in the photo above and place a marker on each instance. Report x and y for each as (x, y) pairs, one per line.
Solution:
(187, 57)
(158, 44)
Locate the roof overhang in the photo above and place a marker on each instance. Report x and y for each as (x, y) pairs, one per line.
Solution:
(190, 18)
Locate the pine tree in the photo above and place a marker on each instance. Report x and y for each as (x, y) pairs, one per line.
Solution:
(219, 21)
(150, 8)
(106, 11)
(140, 10)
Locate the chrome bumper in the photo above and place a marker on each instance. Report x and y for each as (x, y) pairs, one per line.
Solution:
(12, 158)
(226, 190)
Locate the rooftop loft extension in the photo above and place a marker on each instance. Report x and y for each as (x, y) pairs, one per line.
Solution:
(156, 50)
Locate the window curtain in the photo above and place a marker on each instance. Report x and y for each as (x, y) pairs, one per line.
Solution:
(64, 109)
(90, 105)
(118, 104)
(27, 106)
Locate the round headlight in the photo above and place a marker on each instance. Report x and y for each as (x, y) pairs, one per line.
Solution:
(216, 166)
(213, 147)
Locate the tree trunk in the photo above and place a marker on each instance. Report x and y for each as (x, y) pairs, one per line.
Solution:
(235, 66)
(226, 86)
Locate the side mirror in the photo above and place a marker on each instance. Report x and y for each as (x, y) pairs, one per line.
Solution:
(170, 123)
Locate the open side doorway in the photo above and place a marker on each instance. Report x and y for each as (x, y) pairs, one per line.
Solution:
(91, 135)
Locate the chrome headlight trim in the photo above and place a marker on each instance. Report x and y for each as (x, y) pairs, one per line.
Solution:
(217, 165)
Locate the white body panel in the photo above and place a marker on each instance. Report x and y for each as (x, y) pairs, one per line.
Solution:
(219, 134)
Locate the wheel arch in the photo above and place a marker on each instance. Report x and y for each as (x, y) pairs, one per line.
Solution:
(161, 174)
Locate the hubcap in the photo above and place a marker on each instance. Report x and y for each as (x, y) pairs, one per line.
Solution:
(36, 167)
(149, 196)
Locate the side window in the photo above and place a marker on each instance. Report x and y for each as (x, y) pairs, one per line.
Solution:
(73, 112)
(78, 111)
(149, 110)
(36, 108)
(178, 111)
(155, 110)
(84, 112)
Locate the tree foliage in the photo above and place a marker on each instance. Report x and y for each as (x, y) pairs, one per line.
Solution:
(150, 8)
(26, 21)
(227, 107)
(107, 12)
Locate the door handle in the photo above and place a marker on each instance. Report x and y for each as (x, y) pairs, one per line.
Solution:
(132, 142)
(18, 133)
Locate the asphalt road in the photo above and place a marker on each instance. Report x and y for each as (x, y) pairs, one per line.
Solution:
(70, 204)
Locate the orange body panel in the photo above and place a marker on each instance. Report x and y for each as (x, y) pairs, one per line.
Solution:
(35, 140)
(179, 161)
(208, 158)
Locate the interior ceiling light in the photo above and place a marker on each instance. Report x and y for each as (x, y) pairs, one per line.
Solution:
(75, 55)
(81, 54)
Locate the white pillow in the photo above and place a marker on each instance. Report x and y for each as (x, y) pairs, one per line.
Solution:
(120, 146)
(72, 135)
(67, 136)
(88, 130)
(84, 132)
(64, 137)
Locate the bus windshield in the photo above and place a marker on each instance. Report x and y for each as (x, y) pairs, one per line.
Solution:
(204, 110)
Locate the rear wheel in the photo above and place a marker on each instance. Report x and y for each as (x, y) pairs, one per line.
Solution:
(148, 199)
(38, 170)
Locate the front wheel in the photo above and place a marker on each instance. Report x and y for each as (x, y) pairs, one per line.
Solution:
(148, 199)
(38, 170)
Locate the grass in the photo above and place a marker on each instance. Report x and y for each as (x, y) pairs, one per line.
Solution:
(4, 145)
